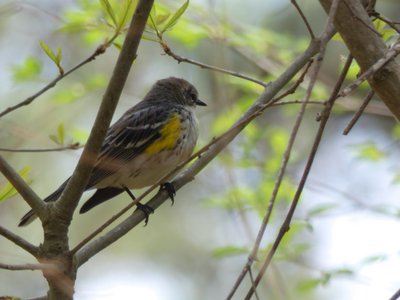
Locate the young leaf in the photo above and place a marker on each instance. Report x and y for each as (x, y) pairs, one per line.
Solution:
(48, 51)
(228, 251)
(109, 11)
(56, 58)
(59, 137)
(7, 191)
(176, 16)
(61, 133)
(127, 8)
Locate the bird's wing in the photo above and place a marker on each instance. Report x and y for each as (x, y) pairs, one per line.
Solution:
(129, 136)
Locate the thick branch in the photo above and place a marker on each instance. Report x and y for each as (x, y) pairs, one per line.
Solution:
(354, 25)
(269, 93)
(80, 177)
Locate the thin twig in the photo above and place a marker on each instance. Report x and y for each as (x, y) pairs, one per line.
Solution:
(24, 267)
(19, 241)
(286, 223)
(391, 54)
(99, 50)
(298, 102)
(359, 112)
(294, 87)
(310, 31)
(180, 59)
(325, 37)
(74, 146)
(387, 21)
(253, 254)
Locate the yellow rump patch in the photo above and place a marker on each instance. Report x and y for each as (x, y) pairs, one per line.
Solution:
(170, 134)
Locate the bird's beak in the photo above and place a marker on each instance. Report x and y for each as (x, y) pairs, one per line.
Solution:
(200, 103)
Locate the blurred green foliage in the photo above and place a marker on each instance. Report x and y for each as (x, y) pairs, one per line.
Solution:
(253, 161)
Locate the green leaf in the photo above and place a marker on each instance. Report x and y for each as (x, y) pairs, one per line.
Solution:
(59, 137)
(321, 209)
(109, 11)
(56, 58)
(80, 135)
(29, 70)
(369, 151)
(48, 51)
(125, 12)
(229, 251)
(152, 18)
(7, 191)
(61, 133)
(176, 16)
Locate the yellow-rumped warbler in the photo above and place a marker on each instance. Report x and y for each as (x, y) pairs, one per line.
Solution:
(144, 145)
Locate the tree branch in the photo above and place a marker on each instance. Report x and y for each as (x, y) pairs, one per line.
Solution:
(73, 146)
(256, 109)
(99, 50)
(25, 267)
(23, 189)
(19, 241)
(180, 59)
(353, 24)
(80, 177)
(286, 223)
(358, 113)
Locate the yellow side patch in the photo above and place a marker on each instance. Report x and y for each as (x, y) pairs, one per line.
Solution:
(170, 134)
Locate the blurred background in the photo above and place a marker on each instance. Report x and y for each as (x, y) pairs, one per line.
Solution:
(343, 240)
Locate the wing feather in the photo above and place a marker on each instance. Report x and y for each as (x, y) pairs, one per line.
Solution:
(128, 137)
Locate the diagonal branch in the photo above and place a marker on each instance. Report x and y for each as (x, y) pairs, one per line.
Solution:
(256, 109)
(99, 50)
(80, 177)
(180, 59)
(286, 223)
(20, 185)
(18, 241)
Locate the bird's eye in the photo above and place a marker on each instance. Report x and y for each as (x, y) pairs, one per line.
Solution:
(193, 96)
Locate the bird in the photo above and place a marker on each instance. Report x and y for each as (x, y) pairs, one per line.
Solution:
(144, 145)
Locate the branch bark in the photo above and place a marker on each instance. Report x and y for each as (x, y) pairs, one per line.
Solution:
(22, 187)
(55, 248)
(355, 27)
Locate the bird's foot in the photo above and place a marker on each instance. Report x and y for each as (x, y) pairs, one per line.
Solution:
(146, 209)
(170, 189)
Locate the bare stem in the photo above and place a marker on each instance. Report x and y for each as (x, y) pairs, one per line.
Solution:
(358, 113)
(180, 59)
(18, 241)
(99, 50)
(74, 146)
(24, 267)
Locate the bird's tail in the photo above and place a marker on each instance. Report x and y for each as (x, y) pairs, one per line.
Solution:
(30, 216)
